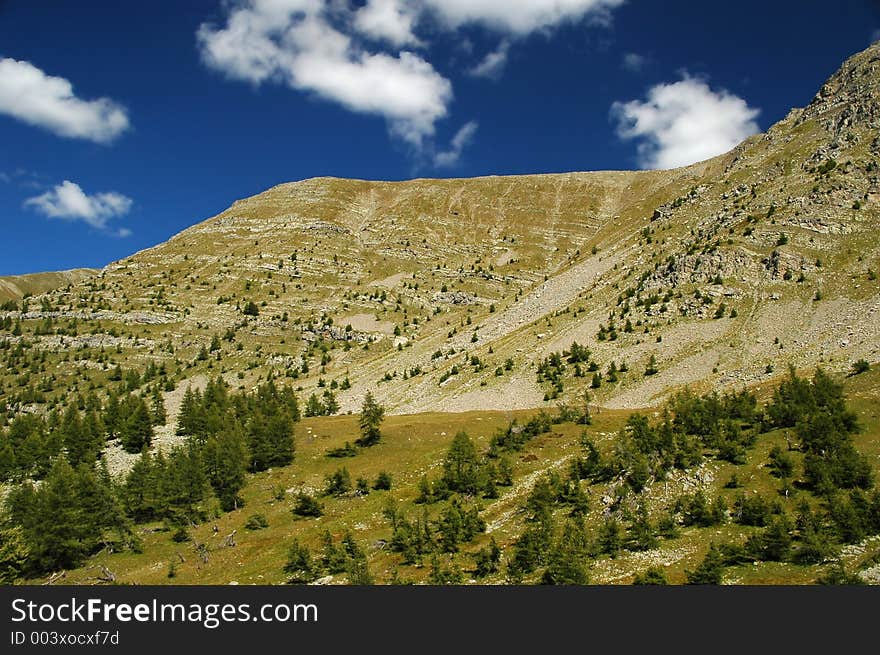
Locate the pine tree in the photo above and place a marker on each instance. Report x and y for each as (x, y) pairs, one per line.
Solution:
(140, 493)
(568, 560)
(610, 537)
(331, 406)
(138, 429)
(14, 554)
(259, 445)
(372, 415)
(641, 533)
(75, 441)
(186, 418)
(93, 431)
(8, 461)
(182, 483)
(487, 559)
(653, 576)
(461, 467)
(55, 527)
(314, 406)
(451, 528)
(307, 506)
(112, 416)
(96, 497)
(359, 572)
(383, 481)
(159, 415)
(337, 483)
(300, 564)
(225, 457)
(279, 429)
(710, 570)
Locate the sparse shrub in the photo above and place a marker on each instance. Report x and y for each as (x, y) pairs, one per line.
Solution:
(653, 576)
(256, 522)
(710, 570)
(383, 481)
(300, 564)
(337, 483)
(307, 506)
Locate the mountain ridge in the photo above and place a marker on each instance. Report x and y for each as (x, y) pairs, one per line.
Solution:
(700, 267)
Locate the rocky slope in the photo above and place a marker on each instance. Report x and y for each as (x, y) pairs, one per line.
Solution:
(447, 294)
(15, 287)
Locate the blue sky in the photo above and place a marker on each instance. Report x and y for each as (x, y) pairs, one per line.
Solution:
(122, 123)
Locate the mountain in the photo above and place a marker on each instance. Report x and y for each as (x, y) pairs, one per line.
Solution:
(15, 287)
(727, 271)
(469, 305)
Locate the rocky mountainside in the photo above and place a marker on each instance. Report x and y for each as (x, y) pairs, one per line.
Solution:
(452, 295)
(15, 287)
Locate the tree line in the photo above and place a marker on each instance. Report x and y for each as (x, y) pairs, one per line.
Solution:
(77, 509)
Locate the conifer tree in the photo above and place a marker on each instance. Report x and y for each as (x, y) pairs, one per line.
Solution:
(138, 429)
(314, 406)
(75, 441)
(300, 564)
(112, 416)
(159, 415)
(568, 560)
(461, 466)
(55, 519)
(225, 457)
(610, 537)
(331, 406)
(640, 532)
(14, 554)
(372, 415)
(182, 484)
(710, 570)
(141, 489)
(186, 418)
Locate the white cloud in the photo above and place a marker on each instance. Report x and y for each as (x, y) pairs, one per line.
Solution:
(684, 122)
(68, 201)
(31, 96)
(519, 17)
(293, 42)
(634, 62)
(392, 20)
(362, 57)
(493, 63)
(459, 142)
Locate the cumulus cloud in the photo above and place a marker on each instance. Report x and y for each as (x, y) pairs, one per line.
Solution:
(363, 57)
(493, 63)
(29, 95)
(391, 20)
(459, 142)
(634, 62)
(294, 43)
(519, 17)
(683, 122)
(68, 201)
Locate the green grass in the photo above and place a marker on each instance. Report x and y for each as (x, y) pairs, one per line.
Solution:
(413, 446)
